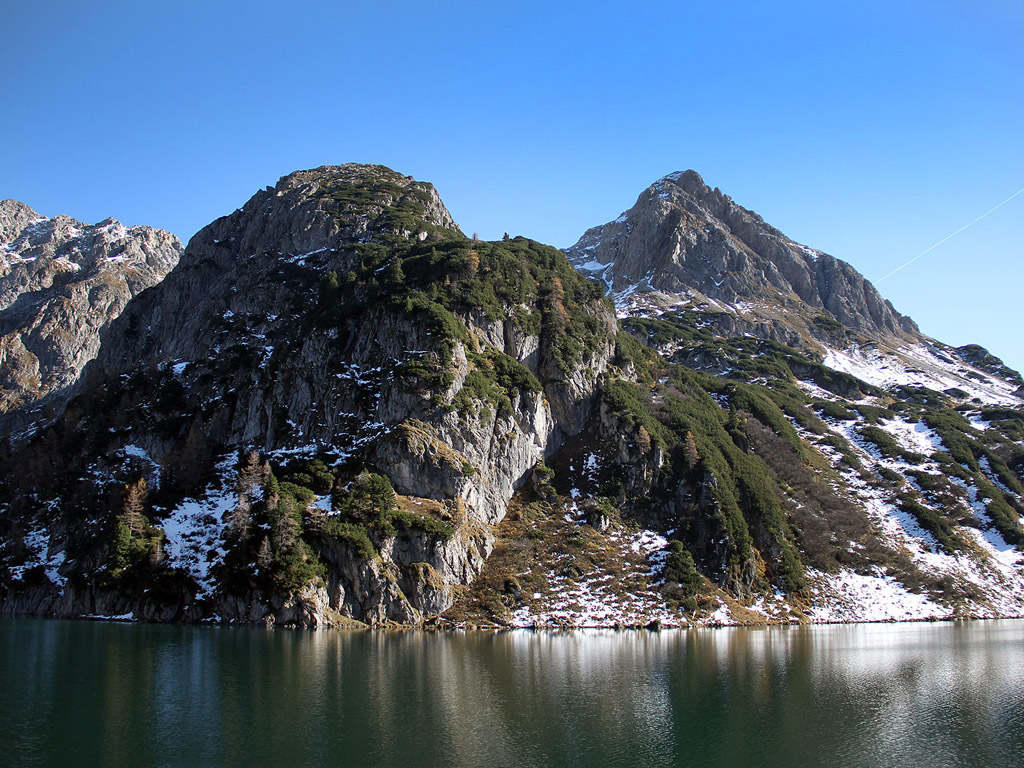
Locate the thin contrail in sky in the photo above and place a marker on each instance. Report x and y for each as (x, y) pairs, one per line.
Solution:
(965, 226)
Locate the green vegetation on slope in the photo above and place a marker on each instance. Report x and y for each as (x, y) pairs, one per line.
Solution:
(706, 444)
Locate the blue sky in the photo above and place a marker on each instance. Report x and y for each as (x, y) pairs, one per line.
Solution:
(869, 130)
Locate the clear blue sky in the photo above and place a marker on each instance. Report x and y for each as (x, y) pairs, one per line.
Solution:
(870, 130)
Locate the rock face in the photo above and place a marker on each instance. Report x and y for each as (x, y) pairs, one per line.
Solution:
(252, 278)
(684, 239)
(61, 284)
(342, 315)
(339, 408)
(687, 248)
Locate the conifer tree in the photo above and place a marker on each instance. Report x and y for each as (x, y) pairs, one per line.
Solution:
(394, 275)
(131, 508)
(251, 474)
(643, 441)
(690, 454)
(263, 556)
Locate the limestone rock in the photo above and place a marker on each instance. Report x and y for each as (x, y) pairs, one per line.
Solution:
(61, 284)
(273, 334)
(687, 242)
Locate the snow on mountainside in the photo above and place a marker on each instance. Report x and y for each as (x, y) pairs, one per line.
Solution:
(711, 286)
(928, 365)
(339, 408)
(684, 245)
(881, 362)
(61, 283)
(989, 568)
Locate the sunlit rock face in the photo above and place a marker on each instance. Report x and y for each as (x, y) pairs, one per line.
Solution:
(340, 315)
(691, 243)
(61, 284)
(337, 407)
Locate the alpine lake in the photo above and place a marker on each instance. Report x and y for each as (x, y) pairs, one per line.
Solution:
(84, 693)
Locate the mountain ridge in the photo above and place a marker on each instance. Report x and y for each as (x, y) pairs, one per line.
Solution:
(684, 244)
(694, 243)
(61, 283)
(338, 408)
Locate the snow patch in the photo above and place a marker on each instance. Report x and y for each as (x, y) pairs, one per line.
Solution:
(918, 366)
(40, 553)
(849, 596)
(914, 436)
(196, 529)
(300, 258)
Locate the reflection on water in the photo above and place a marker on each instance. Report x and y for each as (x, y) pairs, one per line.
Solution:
(869, 695)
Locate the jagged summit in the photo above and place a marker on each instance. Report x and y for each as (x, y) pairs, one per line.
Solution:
(693, 244)
(14, 216)
(350, 202)
(686, 247)
(249, 262)
(61, 283)
(690, 182)
(339, 407)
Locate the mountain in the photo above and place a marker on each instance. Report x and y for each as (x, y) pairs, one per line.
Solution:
(696, 246)
(61, 283)
(338, 408)
(921, 440)
(684, 246)
(341, 336)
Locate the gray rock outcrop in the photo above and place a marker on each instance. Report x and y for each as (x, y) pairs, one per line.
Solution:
(693, 243)
(243, 347)
(61, 284)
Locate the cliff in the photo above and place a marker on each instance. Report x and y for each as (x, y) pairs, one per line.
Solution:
(337, 408)
(61, 284)
(339, 317)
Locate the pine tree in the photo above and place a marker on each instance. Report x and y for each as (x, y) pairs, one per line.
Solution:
(251, 474)
(734, 426)
(394, 275)
(329, 285)
(156, 551)
(271, 492)
(286, 529)
(241, 517)
(131, 508)
(643, 441)
(733, 421)
(120, 547)
(263, 555)
(129, 529)
(690, 454)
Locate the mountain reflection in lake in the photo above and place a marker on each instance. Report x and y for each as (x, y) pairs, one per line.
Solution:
(76, 694)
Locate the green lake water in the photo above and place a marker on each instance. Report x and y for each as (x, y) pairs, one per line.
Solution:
(108, 694)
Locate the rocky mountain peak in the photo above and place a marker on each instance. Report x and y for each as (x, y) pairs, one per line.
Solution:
(330, 205)
(312, 222)
(691, 182)
(14, 216)
(683, 242)
(61, 283)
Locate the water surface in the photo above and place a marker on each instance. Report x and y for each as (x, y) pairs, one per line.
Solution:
(104, 694)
